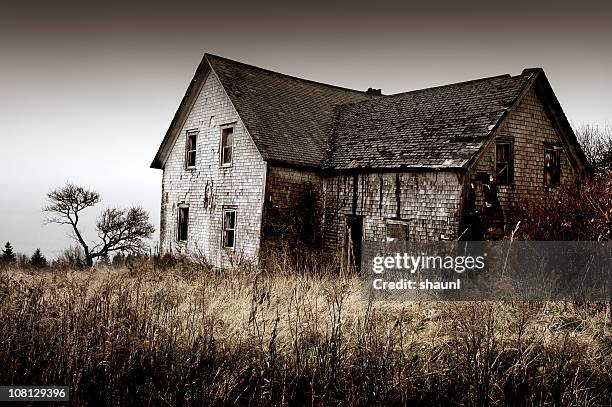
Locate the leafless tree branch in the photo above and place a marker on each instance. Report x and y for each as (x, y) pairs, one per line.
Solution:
(118, 229)
(596, 143)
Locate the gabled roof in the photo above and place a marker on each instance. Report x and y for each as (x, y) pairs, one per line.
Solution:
(289, 118)
(441, 127)
(299, 122)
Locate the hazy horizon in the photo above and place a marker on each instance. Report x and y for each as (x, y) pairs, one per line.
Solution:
(88, 90)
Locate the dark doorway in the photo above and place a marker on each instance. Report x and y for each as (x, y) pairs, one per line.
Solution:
(354, 237)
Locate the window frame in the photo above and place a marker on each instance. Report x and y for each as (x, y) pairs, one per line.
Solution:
(224, 128)
(189, 134)
(556, 181)
(400, 222)
(181, 208)
(234, 210)
(509, 163)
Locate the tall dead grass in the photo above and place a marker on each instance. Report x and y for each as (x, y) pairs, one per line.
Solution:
(184, 336)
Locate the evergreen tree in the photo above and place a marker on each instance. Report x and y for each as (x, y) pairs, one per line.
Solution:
(8, 255)
(38, 261)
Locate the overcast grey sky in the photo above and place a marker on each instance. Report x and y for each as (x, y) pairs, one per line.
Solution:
(88, 90)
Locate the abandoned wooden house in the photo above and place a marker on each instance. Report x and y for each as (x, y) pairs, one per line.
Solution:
(254, 157)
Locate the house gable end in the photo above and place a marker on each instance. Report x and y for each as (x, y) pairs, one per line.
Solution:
(513, 161)
(185, 107)
(213, 167)
(559, 121)
(539, 87)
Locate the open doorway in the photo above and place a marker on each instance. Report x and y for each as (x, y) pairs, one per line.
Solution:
(353, 241)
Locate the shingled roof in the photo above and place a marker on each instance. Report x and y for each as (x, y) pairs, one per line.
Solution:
(299, 122)
(289, 118)
(440, 127)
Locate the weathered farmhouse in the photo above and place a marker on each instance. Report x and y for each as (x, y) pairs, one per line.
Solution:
(254, 157)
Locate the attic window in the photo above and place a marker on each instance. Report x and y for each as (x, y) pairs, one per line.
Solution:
(397, 231)
(190, 156)
(227, 146)
(552, 166)
(183, 223)
(504, 163)
(229, 228)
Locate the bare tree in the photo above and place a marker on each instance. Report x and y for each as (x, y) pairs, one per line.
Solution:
(118, 229)
(122, 230)
(596, 143)
(71, 258)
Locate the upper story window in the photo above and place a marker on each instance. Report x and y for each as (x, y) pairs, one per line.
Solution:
(227, 146)
(191, 149)
(229, 228)
(552, 166)
(183, 223)
(504, 163)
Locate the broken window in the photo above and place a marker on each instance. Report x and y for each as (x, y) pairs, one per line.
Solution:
(504, 163)
(229, 228)
(183, 223)
(397, 231)
(227, 145)
(190, 157)
(552, 166)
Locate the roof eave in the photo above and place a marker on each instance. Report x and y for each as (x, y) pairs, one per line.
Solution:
(401, 168)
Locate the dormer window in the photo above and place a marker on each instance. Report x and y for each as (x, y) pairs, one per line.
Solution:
(191, 149)
(227, 146)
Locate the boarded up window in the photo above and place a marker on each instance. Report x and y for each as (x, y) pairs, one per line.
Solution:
(229, 228)
(183, 223)
(397, 231)
(552, 166)
(504, 167)
(227, 145)
(190, 158)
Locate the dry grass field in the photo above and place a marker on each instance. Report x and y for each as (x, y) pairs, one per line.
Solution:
(143, 336)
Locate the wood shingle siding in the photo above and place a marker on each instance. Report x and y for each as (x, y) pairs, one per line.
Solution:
(209, 187)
